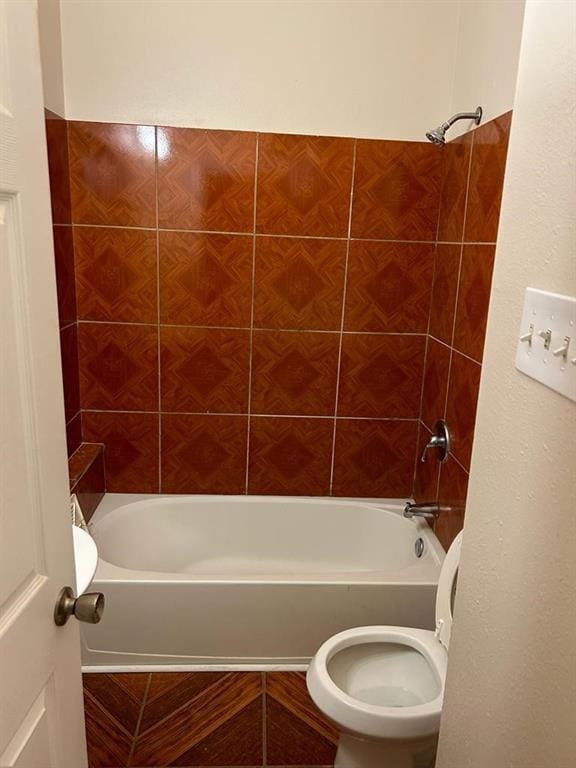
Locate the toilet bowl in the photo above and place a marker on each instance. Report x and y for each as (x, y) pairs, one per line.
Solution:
(383, 687)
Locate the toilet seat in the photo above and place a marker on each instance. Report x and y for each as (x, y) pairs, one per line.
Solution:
(376, 720)
(382, 719)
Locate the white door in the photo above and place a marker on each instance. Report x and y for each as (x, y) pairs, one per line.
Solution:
(41, 713)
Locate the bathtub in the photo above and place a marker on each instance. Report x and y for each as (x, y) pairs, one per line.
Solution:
(240, 582)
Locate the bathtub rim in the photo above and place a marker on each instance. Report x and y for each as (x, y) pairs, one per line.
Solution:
(114, 574)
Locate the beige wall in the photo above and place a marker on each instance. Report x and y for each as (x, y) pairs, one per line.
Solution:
(51, 55)
(511, 687)
(488, 44)
(336, 67)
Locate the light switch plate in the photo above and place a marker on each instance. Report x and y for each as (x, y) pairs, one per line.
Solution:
(547, 341)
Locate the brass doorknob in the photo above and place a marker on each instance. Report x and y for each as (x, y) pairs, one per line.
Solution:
(88, 607)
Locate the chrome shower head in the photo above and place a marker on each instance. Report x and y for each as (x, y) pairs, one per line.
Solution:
(438, 135)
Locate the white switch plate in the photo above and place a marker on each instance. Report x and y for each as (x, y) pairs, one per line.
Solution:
(543, 312)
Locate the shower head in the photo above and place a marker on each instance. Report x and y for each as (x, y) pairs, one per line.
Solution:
(438, 135)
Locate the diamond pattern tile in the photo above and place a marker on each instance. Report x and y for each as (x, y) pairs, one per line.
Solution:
(73, 433)
(374, 458)
(489, 151)
(462, 401)
(299, 283)
(112, 174)
(389, 287)
(222, 717)
(118, 366)
(116, 274)
(453, 491)
(381, 376)
(206, 179)
(203, 454)
(294, 372)
(204, 370)
(427, 472)
(304, 185)
(58, 170)
(205, 279)
(444, 289)
(69, 358)
(65, 281)
(297, 732)
(290, 456)
(473, 299)
(132, 444)
(435, 383)
(396, 190)
(454, 181)
(111, 708)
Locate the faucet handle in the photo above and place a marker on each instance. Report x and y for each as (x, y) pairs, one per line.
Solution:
(440, 440)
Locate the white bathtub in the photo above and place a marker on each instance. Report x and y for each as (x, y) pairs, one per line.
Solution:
(250, 582)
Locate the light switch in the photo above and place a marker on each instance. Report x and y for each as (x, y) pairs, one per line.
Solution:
(547, 340)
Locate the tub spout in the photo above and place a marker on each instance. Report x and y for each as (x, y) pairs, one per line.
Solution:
(428, 509)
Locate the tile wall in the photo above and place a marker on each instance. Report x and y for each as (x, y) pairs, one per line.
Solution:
(252, 309)
(204, 719)
(270, 314)
(471, 192)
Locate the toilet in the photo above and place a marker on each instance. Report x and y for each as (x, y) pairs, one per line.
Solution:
(383, 687)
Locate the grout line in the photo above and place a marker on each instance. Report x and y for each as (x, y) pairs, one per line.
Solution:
(251, 342)
(458, 279)
(463, 354)
(249, 328)
(68, 325)
(342, 318)
(158, 312)
(256, 415)
(273, 234)
(264, 722)
(140, 716)
(71, 419)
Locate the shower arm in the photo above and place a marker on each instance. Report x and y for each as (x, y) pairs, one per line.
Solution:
(476, 116)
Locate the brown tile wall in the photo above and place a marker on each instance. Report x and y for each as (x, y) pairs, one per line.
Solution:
(252, 309)
(471, 192)
(204, 719)
(251, 312)
(85, 461)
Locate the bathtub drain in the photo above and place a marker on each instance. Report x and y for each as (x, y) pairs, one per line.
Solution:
(419, 547)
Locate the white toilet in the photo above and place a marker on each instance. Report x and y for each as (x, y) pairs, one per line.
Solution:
(383, 686)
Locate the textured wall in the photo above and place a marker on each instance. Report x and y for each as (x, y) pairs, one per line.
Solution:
(511, 693)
